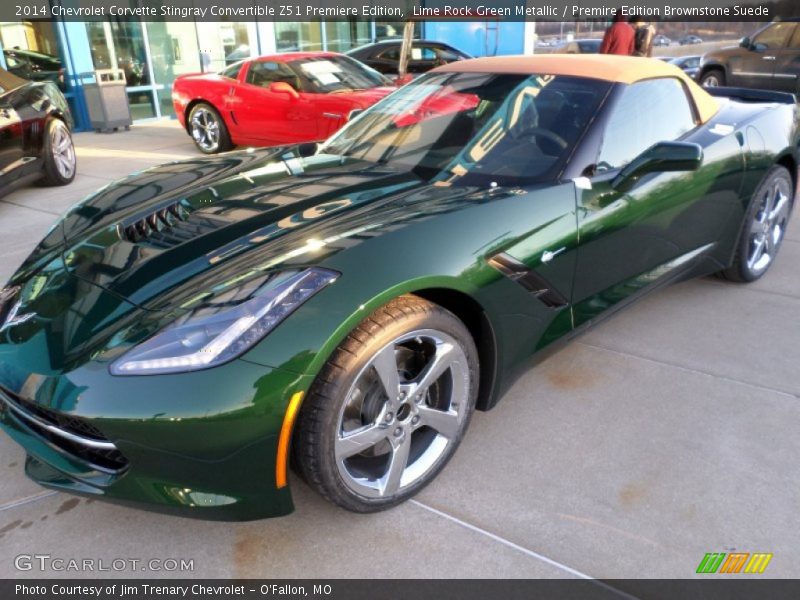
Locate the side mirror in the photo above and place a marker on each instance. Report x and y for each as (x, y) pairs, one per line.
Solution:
(660, 157)
(745, 43)
(281, 87)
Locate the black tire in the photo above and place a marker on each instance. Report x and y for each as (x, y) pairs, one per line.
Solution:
(744, 267)
(322, 415)
(58, 154)
(713, 78)
(208, 130)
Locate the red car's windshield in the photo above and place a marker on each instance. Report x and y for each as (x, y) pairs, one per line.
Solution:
(475, 128)
(330, 74)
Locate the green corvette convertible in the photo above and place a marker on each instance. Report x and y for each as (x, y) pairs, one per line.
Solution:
(184, 336)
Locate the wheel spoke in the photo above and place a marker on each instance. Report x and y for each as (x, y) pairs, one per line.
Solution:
(778, 208)
(385, 364)
(758, 251)
(377, 460)
(445, 422)
(442, 360)
(390, 482)
(360, 440)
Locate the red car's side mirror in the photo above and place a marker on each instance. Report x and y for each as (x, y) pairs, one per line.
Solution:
(281, 87)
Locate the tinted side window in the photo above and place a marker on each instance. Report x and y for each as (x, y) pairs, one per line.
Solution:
(648, 112)
(795, 43)
(447, 55)
(264, 73)
(423, 53)
(775, 36)
(390, 54)
(232, 71)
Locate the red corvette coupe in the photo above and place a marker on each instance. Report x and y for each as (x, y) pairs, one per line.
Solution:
(287, 98)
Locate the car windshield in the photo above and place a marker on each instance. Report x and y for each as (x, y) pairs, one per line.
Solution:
(330, 74)
(474, 128)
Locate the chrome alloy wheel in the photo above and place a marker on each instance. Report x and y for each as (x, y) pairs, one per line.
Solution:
(62, 149)
(768, 226)
(407, 405)
(205, 129)
(711, 81)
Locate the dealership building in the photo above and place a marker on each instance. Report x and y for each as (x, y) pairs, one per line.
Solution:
(153, 54)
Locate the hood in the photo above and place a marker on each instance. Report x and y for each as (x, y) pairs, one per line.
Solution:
(193, 224)
(135, 255)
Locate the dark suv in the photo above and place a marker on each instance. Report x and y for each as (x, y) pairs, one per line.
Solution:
(770, 60)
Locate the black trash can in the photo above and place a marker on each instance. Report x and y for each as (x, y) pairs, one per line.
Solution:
(106, 99)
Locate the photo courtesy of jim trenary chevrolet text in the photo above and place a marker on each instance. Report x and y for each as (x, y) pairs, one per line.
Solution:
(399, 298)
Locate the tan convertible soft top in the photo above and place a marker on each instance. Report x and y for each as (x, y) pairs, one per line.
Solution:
(619, 69)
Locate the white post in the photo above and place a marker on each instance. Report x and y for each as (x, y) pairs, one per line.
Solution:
(266, 37)
(529, 45)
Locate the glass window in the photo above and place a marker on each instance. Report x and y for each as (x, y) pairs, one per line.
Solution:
(341, 36)
(448, 55)
(233, 71)
(425, 53)
(223, 43)
(795, 43)
(385, 30)
(392, 53)
(293, 37)
(119, 44)
(31, 51)
(174, 51)
(648, 112)
(774, 36)
(263, 73)
(336, 73)
(473, 128)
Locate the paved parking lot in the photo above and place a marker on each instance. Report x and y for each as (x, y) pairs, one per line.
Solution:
(669, 431)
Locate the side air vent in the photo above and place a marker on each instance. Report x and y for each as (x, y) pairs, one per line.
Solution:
(161, 220)
(528, 278)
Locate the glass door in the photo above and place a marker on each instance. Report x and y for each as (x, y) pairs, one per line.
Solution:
(123, 45)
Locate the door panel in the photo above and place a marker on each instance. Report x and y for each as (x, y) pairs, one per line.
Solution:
(628, 239)
(269, 118)
(755, 68)
(751, 69)
(332, 111)
(631, 235)
(786, 76)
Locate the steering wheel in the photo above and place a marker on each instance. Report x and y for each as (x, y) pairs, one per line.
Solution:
(546, 133)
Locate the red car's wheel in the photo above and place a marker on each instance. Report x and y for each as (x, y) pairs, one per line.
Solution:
(208, 130)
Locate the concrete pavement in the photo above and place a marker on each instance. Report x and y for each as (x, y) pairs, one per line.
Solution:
(667, 432)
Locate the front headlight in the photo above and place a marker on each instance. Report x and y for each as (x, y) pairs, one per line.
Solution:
(220, 330)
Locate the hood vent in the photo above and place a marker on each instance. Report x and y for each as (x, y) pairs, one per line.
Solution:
(159, 221)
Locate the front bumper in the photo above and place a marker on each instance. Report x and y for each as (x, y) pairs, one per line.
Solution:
(199, 444)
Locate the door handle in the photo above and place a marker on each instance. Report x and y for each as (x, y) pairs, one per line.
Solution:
(329, 115)
(768, 58)
(549, 255)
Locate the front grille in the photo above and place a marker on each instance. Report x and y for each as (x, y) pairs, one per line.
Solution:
(74, 435)
(63, 421)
